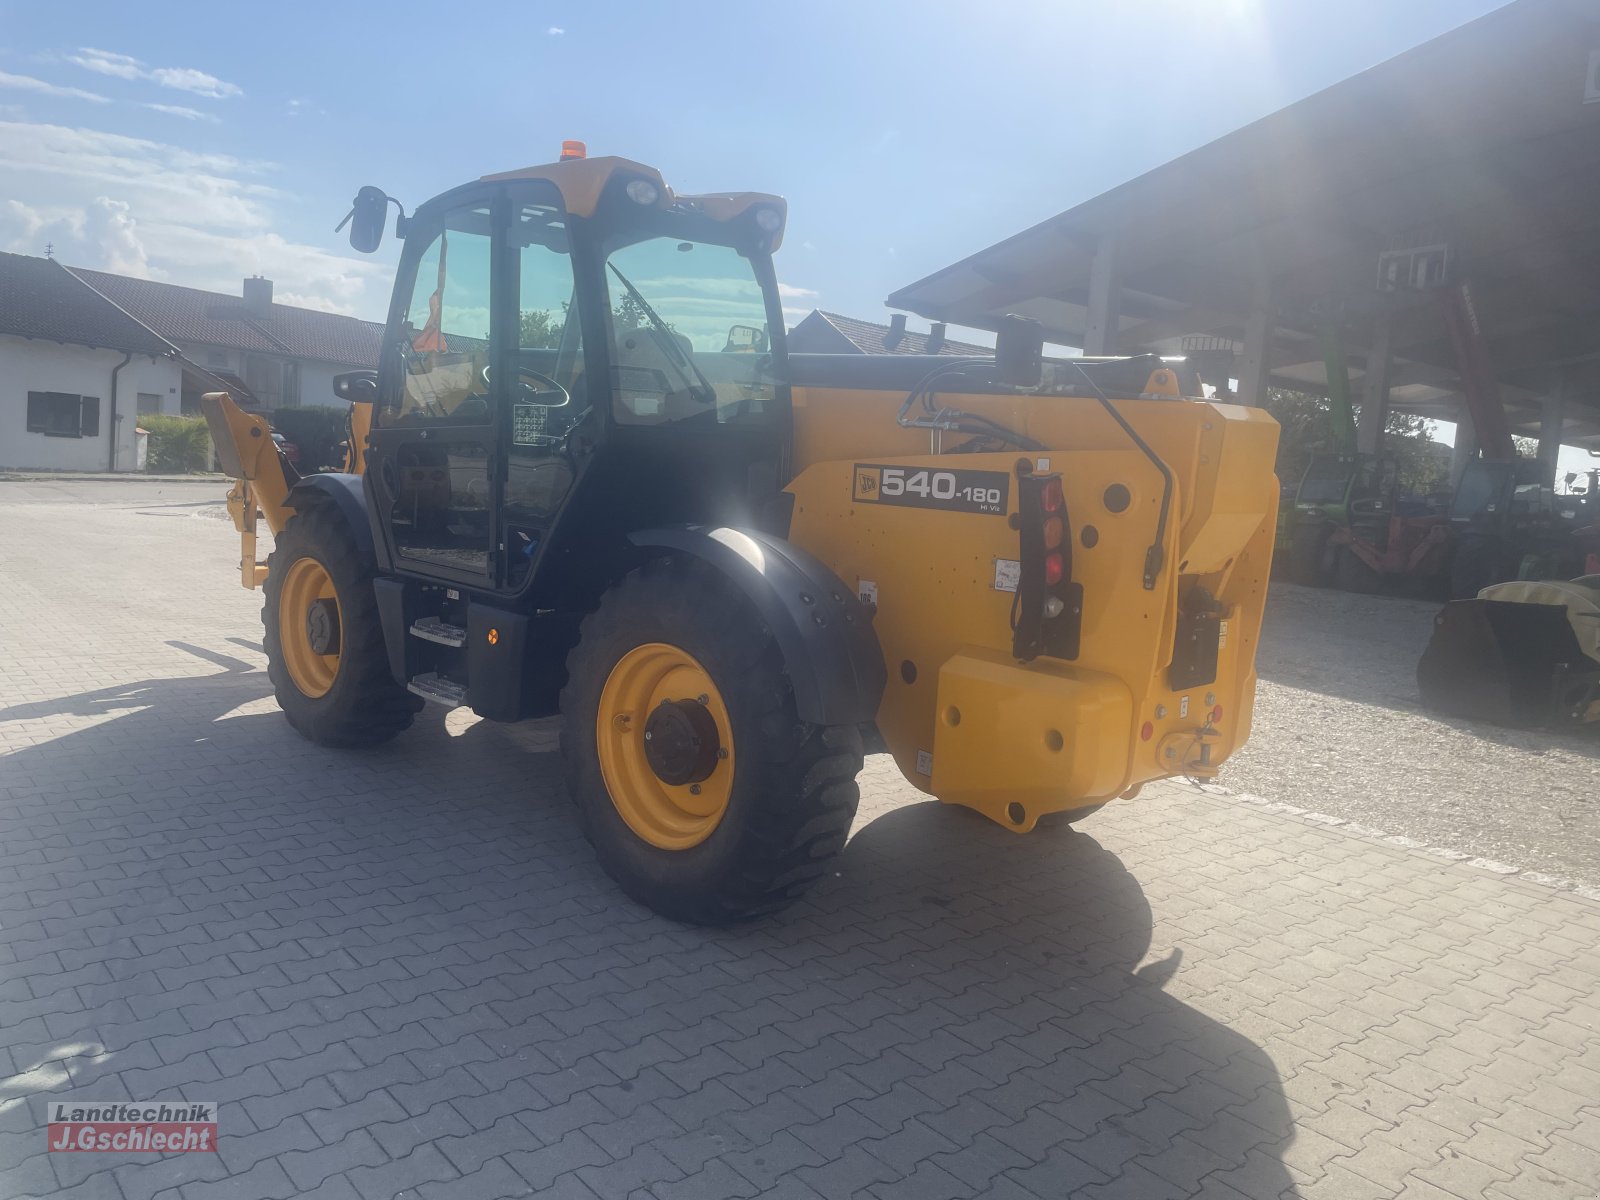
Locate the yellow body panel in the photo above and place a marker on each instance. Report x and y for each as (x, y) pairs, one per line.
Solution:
(246, 451)
(1049, 735)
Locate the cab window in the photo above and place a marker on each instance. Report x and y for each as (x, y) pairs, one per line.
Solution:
(689, 334)
(444, 339)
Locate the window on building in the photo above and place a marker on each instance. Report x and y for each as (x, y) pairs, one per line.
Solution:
(62, 414)
(149, 402)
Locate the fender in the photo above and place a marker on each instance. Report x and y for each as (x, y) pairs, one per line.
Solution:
(832, 655)
(347, 495)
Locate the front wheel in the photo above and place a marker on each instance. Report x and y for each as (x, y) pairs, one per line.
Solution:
(324, 641)
(703, 793)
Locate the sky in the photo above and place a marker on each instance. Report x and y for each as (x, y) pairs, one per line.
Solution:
(198, 143)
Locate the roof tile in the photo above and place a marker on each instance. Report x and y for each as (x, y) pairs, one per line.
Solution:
(39, 298)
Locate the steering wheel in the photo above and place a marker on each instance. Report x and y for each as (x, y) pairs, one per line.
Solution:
(550, 388)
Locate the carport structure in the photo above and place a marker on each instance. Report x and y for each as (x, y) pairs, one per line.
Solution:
(1485, 141)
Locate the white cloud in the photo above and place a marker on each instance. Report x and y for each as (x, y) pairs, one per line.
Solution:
(163, 182)
(187, 79)
(555, 31)
(27, 83)
(109, 224)
(104, 62)
(179, 110)
(151, 209)
(183, 79)
(789, 292)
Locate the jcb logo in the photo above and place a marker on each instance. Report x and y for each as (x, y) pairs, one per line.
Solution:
(866, 484)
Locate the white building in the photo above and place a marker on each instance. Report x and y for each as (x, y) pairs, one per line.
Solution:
(75, 372)
(84, 353)
(271, 355)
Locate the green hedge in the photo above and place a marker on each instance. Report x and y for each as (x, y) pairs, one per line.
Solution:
(317, 432)
(177, 445)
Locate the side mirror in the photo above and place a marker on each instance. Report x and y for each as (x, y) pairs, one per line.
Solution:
(369, 213)
(358, 387)
(1019, 351)
(745, 339)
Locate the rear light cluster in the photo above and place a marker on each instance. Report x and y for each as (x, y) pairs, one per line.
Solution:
(1048, 607)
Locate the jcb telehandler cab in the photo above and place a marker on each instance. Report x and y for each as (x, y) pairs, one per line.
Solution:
(587, 478)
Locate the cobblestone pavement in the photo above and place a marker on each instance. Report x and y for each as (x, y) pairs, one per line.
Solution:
(400, 972)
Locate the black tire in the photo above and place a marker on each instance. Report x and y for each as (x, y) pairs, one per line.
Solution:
(364, 706)
(1354, 575)
(1306, 553)
(794, 790)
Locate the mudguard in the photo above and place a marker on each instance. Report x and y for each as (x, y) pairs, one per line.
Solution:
(347, 494)
(832, 655)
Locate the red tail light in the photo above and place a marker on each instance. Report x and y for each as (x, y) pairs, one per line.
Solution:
(1048, 608)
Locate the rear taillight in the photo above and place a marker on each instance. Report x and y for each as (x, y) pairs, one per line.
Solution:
(1048, 607)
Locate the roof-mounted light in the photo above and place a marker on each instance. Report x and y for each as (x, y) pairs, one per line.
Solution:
(572, 148)
(769, 220)
(642, 191)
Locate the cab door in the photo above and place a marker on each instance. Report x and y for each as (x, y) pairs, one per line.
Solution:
(435, 443)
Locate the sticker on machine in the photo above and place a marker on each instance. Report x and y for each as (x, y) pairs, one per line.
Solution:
(923, 487)
(867, 592)
(925, 763)
(1007, 574)
(1222, 635)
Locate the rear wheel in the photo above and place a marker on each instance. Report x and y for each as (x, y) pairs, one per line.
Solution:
(703, 793)
(324, 641)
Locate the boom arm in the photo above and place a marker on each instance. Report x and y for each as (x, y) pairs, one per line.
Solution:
(246, 451)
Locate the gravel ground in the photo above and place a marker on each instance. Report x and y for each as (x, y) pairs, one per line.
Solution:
(1339, 729)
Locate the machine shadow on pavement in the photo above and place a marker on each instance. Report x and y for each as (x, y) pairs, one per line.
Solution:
(987, 986)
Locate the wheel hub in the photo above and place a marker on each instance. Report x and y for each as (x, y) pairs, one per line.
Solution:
(322, 626)
(681, 743)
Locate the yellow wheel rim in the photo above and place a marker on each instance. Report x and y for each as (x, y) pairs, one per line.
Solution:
(306, 583)
(638, 699)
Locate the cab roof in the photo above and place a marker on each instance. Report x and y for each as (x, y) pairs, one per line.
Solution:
(581, 181)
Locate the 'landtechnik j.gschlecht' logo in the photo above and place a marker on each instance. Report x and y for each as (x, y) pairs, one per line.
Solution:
(181, 1126)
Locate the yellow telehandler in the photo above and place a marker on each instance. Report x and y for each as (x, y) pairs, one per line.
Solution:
(587, 478)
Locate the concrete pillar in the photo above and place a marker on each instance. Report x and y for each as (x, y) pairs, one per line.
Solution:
(1375, 389)
(1255, 360)
(1552, 416)
(1105, 300)
(1466, 447)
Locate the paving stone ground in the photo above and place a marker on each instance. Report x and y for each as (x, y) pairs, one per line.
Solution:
(400, 972)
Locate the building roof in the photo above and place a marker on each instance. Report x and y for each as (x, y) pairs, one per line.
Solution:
(189, 315)
(830, 333)
(39, 298)
(1487, 138)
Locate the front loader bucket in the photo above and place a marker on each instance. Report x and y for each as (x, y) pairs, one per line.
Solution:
(1499, 661)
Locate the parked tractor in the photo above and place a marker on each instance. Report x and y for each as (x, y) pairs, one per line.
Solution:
(587, 478)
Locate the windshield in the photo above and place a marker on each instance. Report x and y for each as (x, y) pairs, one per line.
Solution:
(1481, 489)
(689, 334)
(1325, 482)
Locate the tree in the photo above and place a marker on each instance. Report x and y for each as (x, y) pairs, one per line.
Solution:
(541, 329)
(1304, 432)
